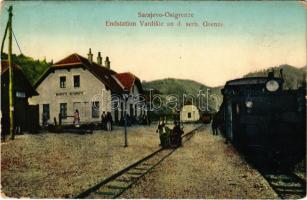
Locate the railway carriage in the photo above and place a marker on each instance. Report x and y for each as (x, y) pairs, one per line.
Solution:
(258, 115)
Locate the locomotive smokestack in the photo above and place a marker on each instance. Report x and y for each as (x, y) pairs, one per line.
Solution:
(271, 74)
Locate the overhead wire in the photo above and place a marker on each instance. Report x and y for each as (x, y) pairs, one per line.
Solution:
(16, 42)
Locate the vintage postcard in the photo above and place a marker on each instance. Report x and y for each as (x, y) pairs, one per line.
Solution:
(153, 99)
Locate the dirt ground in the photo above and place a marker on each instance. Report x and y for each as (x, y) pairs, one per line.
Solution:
(204, 167)
(62, 165)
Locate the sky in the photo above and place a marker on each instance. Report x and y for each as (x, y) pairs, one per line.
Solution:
(253, 36)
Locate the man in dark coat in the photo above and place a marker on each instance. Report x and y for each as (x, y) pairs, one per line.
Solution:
(176, 135)
(214, 125)
(109, 122)
(103, 120)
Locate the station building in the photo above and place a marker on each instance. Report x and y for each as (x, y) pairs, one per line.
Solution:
(79, 83)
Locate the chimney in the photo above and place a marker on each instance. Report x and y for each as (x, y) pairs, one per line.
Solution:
(90, 56)
(107, 62)
(99, 59)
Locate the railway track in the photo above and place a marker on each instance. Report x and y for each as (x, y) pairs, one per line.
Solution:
(286, 184)
(118, 183)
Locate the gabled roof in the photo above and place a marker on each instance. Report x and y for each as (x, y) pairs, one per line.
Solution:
(127, 80)
(20, 75)
(69, 60)
(5, 66)
(77, 61)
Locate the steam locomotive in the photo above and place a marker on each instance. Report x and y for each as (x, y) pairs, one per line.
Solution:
(258, 115)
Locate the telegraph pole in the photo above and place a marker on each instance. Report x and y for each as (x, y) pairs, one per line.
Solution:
(126, 139)
(125, 97)
(11, 97)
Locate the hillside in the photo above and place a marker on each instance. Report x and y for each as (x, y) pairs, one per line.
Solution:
(32, 68)
(175, 86)
(293, 76)
(179, 87)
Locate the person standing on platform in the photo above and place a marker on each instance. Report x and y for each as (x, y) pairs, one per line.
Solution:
(103, 120)
(109, 121)
(77, 119)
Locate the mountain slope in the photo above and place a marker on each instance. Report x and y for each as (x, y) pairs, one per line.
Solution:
(181, 87)
(176, 86)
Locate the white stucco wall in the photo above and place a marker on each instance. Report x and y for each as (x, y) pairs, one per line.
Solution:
(91, 89)
(185, 113)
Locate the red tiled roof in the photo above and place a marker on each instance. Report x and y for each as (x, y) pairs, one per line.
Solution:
(126, 79)
(75, 61)
(69, 60)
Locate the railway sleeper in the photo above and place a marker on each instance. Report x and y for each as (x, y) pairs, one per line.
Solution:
(123, 180)
(288, 193)
(282, 179)
(146, 164)
(141, 168)
(116, 187)
(135, 173)
(280, 187)
(286, 183)
(286, 187)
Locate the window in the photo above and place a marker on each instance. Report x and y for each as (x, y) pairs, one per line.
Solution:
(20, 94)
(63, 82)
(63, 110)
(76, 81)
(95, 109)
(189, 115)
(46, 111)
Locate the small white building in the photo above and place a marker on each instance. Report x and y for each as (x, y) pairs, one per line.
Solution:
(189, 113)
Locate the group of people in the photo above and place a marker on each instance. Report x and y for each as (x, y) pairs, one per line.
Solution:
(141, 120)
(106, 120)
(170, 137)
